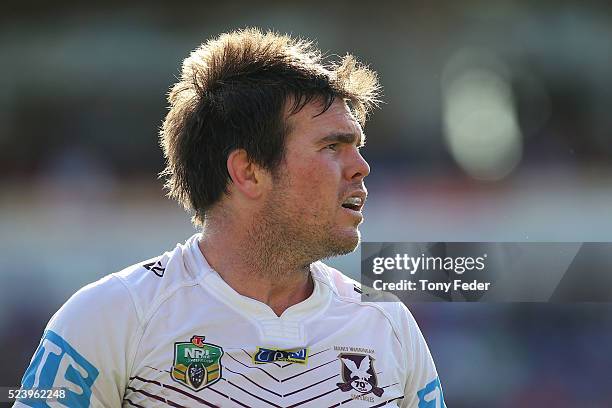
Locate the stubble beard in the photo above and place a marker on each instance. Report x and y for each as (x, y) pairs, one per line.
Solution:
(283, 240)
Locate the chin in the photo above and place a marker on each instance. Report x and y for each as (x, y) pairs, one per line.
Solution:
(344, 243)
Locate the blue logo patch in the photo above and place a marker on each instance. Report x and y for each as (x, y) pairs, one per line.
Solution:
(431, 395)
(265, 355)
(57, 365)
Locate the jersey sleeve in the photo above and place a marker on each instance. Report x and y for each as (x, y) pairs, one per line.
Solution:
(86, 349)
(422, 388)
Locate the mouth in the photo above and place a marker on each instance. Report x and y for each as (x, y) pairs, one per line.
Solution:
(355, 201)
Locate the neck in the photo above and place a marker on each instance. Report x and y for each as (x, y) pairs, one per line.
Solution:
(257, 264)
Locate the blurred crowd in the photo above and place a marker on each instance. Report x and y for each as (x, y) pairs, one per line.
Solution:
(494, 128)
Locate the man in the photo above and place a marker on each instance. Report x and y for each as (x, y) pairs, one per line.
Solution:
(262, 145)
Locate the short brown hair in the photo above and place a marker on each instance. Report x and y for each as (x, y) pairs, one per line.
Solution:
(232, 94)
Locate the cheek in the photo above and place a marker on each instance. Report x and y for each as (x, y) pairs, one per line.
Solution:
(318, 186)
(319, 177)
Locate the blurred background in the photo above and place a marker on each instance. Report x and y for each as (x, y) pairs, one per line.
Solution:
(495, 128)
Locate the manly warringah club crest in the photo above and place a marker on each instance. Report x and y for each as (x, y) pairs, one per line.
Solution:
(196, 364)
(358, 374)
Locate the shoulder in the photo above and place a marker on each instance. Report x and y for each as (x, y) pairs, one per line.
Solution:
(386, 305)
(92, 340)
(104, 297)
(415, 356)
(151, 282)
(88, 344)
(340, 284)
(119, 305)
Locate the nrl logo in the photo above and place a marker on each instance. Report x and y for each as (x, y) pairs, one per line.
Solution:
(196, 363)
(358, 374)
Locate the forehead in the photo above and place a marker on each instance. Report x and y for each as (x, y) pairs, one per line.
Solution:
(309, 124)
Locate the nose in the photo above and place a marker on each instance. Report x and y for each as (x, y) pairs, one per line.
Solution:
(359, 168)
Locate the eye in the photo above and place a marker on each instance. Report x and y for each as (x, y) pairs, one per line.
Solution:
(333, 146)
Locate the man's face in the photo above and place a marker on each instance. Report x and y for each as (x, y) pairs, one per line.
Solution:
(318, 190)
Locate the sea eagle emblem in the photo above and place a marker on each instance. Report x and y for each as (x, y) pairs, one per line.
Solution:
(358, 374)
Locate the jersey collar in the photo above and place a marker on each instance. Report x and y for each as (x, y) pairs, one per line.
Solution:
(287, 326)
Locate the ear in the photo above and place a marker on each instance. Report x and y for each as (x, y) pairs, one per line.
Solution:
(249, 178)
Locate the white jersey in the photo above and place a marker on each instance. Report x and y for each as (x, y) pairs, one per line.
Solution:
(171, 332)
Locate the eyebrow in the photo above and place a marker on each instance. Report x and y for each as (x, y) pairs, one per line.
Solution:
(348, 138)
